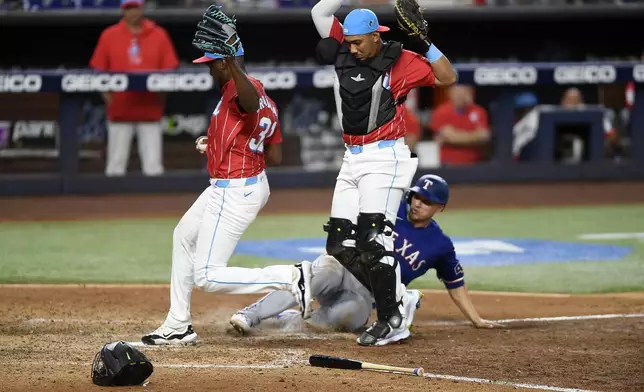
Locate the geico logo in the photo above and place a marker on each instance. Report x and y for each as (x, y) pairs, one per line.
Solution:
(505, 75)
(89, 82)
(20, 83)
(178, 123)
(323, 78)
(276, 80)
(179, 82)
(585, 74)
(638, 73)
(34, 129)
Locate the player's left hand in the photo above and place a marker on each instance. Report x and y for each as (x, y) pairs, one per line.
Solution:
(486, 324)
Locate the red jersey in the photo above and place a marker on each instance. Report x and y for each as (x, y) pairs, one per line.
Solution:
(411, 70)
(469, 119)
(118, 50)
(236, 139)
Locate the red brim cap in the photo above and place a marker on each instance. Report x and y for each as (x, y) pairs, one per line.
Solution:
(382, 29)
(202, 59)
(207, 57)
(130, 3)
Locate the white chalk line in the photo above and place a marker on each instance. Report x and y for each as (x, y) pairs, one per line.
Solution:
(541, 319)
(506, 383)
(36, 321)
(282, 364)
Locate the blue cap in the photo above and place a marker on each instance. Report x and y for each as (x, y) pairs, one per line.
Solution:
(432, 187)
(525, 100)
(362, 21)
(211, 56)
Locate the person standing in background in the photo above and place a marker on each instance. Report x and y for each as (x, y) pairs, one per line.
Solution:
(412, 121)
(461, 127)
(134, 44)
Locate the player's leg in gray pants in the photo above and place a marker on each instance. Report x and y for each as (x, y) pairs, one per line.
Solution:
(339, 308)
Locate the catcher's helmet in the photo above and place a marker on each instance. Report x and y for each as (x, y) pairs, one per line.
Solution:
(432, 187)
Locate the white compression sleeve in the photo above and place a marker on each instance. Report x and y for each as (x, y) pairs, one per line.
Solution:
(322, 14)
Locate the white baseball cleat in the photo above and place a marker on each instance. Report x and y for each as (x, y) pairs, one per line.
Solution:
(413, 303)
(302, 287)
(381, 333)
(170, 336)
(241, 323)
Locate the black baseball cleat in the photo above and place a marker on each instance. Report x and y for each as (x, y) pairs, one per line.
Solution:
(170, 336)
(381, 333)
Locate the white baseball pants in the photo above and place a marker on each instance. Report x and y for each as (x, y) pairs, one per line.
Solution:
(373, 179)
(205, 239)
(119, 140)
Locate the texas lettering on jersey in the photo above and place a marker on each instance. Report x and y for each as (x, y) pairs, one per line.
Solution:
(419, 249)
(236, 139)
(407, 251)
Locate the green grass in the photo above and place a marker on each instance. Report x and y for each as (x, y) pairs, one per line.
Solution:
(131, 251)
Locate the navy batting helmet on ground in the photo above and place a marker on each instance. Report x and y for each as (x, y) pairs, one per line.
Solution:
(432, 187)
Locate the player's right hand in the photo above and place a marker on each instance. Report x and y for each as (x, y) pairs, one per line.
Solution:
(202, 144)
(487, 324)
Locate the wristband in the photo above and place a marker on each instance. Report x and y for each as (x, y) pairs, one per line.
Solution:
(433, 53)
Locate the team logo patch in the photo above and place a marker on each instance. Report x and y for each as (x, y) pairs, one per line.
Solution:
(470, 251)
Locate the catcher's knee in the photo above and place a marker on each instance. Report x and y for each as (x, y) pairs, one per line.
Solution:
(340, 230)
(370, 225)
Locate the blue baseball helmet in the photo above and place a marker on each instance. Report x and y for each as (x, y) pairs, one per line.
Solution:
(432, 187)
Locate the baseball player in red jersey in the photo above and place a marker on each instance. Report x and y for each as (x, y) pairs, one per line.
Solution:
(372, 79)
(243, 124)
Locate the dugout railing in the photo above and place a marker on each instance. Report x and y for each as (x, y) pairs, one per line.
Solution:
(73, 86)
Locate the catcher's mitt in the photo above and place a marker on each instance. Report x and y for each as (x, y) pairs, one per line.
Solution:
(410, 18)
(217, 33)
(120, 364)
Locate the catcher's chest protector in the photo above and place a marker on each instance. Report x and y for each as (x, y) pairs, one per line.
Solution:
(363, 98)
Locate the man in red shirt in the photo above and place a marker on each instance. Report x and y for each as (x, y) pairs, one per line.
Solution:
(134, 44)
(373, 78)
(243, 124)
(461, 128)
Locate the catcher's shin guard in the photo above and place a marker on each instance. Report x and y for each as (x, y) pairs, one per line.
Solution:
(340, 230)
(384, 283)
(369, 227)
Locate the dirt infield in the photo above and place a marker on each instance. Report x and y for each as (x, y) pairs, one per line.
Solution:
(317, 200)
(49, 335)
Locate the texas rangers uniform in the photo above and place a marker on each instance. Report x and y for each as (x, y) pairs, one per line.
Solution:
(344, 302)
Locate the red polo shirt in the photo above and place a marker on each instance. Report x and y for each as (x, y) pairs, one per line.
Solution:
(469, 120)
(119, 50)
(412, 122)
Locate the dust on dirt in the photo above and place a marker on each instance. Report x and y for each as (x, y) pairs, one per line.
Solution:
(49, 335)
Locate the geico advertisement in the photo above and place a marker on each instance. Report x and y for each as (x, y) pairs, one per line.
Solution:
(592, 74)
(22, 83)
(83, 83)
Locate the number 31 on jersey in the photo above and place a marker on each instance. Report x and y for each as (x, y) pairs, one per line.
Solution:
(268, 128)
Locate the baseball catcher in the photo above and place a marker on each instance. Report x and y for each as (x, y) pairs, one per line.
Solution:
(373, 79)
